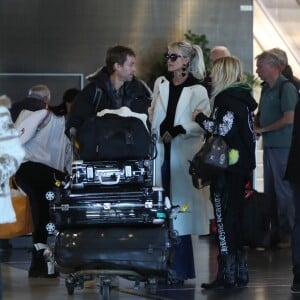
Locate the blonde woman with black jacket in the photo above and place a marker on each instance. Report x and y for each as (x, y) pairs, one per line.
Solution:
(232, 118)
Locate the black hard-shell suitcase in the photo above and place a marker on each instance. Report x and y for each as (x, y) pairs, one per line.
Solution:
(103, 173)
(107, 206)
(257, 220)
(145, 250)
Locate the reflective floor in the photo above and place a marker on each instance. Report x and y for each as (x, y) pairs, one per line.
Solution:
(270, 278)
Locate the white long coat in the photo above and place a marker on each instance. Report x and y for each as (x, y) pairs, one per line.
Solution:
(11, 156)
(183, 147)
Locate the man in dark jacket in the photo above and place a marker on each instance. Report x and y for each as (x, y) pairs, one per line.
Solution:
(111, 87)
(292, 174)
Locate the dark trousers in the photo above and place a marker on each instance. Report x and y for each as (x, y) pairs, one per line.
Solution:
(0, 283)
(296, 231)
(182, 263)
(35, 180)
(280, 192)
(227, 194)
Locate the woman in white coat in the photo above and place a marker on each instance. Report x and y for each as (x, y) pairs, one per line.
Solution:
(11, 156)
(175, 97)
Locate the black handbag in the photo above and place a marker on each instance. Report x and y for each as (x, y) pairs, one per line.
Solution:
(211, 160)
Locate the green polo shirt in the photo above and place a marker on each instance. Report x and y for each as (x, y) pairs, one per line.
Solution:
(271, 108)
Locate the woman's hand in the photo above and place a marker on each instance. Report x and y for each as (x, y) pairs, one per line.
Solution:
(166, 137)
(195, 113)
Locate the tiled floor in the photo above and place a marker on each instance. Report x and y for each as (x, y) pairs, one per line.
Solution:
(270, 278)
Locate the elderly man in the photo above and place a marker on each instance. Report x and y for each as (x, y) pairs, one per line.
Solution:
(32, 101)
(286, 69)
(218, 52)
(215, 53)
(275, 122)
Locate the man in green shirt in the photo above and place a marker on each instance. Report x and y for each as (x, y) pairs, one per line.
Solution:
(275, 122)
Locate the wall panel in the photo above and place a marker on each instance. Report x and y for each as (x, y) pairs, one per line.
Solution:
(72, 36)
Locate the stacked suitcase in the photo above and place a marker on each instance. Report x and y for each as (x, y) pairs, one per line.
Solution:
(111, 218)
(102, 193)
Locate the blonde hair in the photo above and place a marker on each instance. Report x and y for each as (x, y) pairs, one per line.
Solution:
(194, 52)
(225, 72)
(41, 92)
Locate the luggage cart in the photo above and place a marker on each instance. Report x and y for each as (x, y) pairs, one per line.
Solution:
(100, 206)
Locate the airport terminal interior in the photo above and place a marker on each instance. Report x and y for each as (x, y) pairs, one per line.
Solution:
(60, 42)
(270, 273)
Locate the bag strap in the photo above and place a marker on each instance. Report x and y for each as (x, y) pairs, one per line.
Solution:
(14, 186)
(97, 98)
(13, 183)
(44, 121)
(281, 87)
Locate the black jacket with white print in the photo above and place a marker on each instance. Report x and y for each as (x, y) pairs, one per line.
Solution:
(232, 118)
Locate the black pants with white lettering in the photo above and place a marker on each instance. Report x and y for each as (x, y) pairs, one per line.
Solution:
(227, 195)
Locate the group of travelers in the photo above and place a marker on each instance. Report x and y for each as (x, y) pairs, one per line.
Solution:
(186, 106)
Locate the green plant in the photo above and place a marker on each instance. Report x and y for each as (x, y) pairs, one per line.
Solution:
(252, 80)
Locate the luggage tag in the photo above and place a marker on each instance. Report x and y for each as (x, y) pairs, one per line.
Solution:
(179, 210)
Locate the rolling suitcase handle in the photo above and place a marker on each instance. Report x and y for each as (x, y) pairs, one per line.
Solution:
(111, 182)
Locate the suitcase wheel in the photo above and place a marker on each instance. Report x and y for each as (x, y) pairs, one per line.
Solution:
(70, 284)
(50, 227)
(105, 288)
(50, 195)
(70, 288)
(73, 281)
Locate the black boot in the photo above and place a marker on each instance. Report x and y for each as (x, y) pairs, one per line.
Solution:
(295, 288)
(218, 283)
(229, 263)
(39, 266)
(242, 276)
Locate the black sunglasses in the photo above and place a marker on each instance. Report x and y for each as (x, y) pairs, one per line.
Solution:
(173, 57)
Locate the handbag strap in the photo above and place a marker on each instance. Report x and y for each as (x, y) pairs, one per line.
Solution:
(13, 183)
(14, 186)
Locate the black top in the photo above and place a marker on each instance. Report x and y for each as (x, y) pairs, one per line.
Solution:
(174, 95)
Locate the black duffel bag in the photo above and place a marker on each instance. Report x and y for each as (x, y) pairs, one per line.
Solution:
(113, 137)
